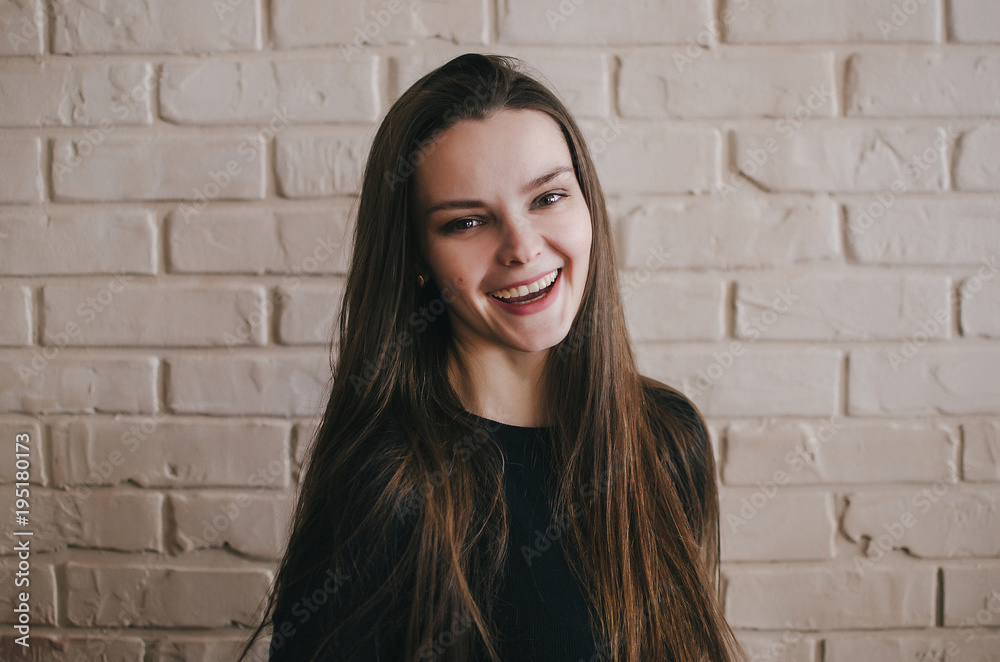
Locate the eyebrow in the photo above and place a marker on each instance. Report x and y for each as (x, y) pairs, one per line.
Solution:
(541, 180)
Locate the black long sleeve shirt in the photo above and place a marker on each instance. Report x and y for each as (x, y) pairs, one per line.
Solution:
(540, 612)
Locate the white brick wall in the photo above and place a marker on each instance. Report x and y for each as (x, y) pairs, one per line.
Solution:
(806, 201)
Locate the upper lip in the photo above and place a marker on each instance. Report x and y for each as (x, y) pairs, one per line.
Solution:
(526, 281)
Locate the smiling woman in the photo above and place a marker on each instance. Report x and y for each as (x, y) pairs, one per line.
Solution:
(481, 487)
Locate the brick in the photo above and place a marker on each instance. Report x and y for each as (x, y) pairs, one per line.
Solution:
(950, 646)
(42, 592)
(925, 232)
(21, 165)
(839, 451)
(600, 24)
(787, 646)
(753, 383)
(716, 85)
(154, 596)
(204, 648)
(580, 80)
(719, 234)
(842, 307)
(16, 323)
(157, 26)
(789, 21)
(201, 169)
(10, 427)
(932, 522)
(972, 596)
(42, 94)
(842, 158)
(980, 301)
(150, 315)
(304, 435)
(977, 160)
(278, 93)
(64, 385)
(310, 313)
(653, 305)
(828, 598)
(258, 241)
(172, 453)
(934, 381)
(640, 157)
(975, 21)
(354, 27)
(248, 524)
(981, 450)
(774, 523)
(22, 26)
(931, 84)
(265, 386)
(56, 648)
(123, 521)
(318, 165)
(36, 244)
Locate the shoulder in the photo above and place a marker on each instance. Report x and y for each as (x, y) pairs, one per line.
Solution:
(684, 447)
(670, 404)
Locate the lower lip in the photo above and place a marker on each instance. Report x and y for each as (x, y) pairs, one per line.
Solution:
(535, 306)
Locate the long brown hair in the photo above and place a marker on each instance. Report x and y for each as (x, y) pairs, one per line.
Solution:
(634, 475)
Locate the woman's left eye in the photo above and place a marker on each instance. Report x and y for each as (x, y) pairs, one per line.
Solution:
(549, 198)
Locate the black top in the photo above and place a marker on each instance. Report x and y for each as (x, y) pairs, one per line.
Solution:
(540, 612)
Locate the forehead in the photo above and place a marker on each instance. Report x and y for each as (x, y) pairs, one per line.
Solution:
(479, 156)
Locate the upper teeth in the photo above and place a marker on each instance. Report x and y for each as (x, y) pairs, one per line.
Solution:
(522, 290)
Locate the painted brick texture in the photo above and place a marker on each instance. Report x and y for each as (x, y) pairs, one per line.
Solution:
(805, 198)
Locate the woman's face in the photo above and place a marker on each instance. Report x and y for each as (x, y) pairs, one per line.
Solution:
(504, 229)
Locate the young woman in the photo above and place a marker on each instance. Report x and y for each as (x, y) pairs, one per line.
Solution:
(492, 478)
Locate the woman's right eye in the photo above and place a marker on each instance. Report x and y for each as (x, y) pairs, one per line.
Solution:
(462, 224)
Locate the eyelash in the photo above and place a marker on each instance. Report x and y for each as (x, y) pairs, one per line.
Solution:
(454, 226)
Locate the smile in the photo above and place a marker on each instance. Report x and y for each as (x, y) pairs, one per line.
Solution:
(523, 294)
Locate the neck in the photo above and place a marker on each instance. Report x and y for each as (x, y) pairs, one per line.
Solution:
(500, 384)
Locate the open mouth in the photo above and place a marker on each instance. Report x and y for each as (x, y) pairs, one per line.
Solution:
(525, 294)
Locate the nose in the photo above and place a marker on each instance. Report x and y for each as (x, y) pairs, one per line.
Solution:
(520, 241)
